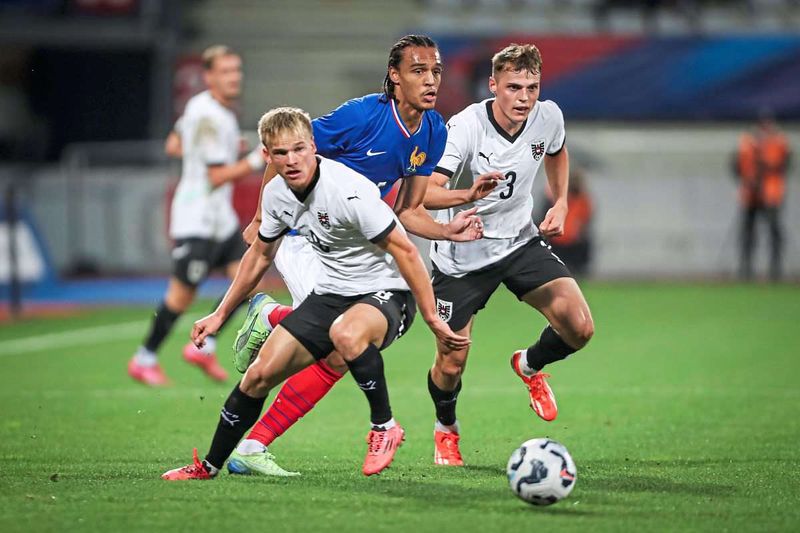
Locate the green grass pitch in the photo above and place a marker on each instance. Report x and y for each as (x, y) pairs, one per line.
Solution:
(682, 414)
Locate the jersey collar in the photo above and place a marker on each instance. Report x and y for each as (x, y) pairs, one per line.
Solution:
(301, 196)
(399, 121)
(503, 133)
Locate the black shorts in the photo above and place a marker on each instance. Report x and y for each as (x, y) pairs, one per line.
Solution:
(528, 268)
(193, 258)
(310, 323)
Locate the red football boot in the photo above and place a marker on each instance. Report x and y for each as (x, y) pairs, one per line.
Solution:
(446, 450)
(543, 402)
(206, 362)
(381, 447)
(149, 375)
(196, 470)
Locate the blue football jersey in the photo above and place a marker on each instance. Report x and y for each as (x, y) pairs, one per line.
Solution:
(368, 135)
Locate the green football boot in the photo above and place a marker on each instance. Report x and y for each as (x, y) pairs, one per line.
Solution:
(254, 332)
(257, 464)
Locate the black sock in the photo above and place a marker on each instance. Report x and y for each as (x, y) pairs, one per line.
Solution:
(444, 401)
(237, 416)
(367, 369)
(222, 326)
(160, 327)
(549, 348)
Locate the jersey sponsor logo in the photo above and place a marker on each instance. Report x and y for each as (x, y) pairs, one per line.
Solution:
(486, 157)
(324, 219)
(416, 159)
(370, 153)
(444, 309)
(537, 149)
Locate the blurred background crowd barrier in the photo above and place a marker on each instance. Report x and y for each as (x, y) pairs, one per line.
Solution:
(655, 94)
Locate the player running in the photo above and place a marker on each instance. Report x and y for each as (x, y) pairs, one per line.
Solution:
(385, 137)
(362, 300)
(512, 133)
(203, 223)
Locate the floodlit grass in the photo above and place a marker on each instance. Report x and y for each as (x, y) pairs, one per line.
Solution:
(682, 414)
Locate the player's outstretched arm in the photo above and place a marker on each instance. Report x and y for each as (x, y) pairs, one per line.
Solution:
(465, 226)
(255, 262)
(250, 233)
(222, 174)
(437, 196)
(413, 271)
(173, 146)
(557, 169)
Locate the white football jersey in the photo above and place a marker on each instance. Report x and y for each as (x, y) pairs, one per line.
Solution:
(209, 135)
(477, 142)
(342, 216)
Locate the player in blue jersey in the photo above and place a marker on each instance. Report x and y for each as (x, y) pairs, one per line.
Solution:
(387, 137)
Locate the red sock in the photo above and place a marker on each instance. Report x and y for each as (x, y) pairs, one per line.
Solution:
(297, 397)
(279, 313)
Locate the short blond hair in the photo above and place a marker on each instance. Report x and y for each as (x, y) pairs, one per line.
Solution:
(517, 57)
(282, 120)
(211, 53)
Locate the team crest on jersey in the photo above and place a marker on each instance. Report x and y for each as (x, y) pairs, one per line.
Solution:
(416, 159)
(324, 219)
(444, 309)
(537, 149)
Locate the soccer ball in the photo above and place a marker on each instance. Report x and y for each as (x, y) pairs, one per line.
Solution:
(541, 472)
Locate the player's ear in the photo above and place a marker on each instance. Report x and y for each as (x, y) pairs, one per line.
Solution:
(313, 146)
(265, 153)
(394, 75)
(492, 85)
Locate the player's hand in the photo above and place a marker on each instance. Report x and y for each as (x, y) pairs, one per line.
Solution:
(484, 184)
(204, 327)
(250, 233)
(553, 223)
(446, 335)
(465, 226)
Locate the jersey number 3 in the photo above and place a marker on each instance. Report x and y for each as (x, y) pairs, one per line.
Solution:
(511, 177)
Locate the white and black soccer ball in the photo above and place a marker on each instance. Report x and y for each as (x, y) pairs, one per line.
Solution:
(541, 472)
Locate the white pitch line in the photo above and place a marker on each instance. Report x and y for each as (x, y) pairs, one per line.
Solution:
(76, 337)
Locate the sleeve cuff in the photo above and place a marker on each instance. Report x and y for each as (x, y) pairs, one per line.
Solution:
(382, 235)
(442, 170)
(275, 238)
(563, 144)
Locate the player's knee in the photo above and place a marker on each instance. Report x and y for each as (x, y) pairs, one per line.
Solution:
(347, 341)
(583, 331)
(257, 380)
(451, 367)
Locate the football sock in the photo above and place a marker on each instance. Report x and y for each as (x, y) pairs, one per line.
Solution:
(211, 469)
(160, 327)
(145, 357)
(549, 348)
(385, 426)
(367, 369)
(444, 401)
(298, 396)
(239, 413)
(453, 428)
(209, 345)
(249, 446)
(278, 313)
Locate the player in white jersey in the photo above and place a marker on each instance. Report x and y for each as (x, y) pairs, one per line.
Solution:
(361, 302)
(203, 223)
(514, 134)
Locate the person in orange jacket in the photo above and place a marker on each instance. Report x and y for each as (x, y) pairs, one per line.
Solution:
(761, 164)
(574, 246)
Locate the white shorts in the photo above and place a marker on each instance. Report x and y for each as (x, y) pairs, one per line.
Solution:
(299, 267)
